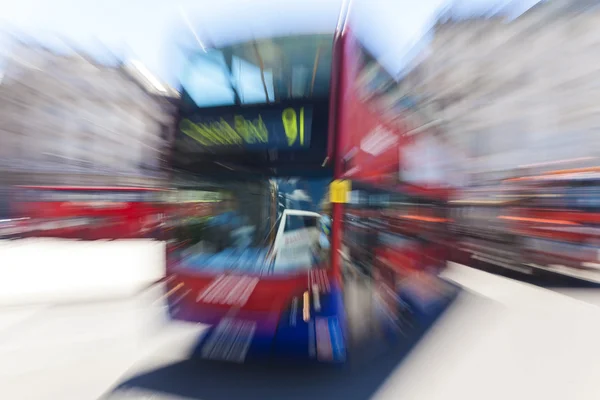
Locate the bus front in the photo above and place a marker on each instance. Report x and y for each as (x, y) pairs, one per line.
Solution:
(252, 143)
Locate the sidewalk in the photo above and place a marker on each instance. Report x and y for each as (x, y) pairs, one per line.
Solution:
(12, 317)
(49, 271)
(78, 351)
(504, 339)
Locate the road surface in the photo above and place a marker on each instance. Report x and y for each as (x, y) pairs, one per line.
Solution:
(501, 339)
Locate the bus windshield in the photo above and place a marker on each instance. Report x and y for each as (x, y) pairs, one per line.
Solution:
(258, 72)
(260, 226)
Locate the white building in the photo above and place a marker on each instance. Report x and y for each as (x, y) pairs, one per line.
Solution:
(66, 114)
(511, 94)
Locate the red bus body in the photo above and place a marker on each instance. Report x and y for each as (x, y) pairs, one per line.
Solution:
(90, 212)
(401, 247)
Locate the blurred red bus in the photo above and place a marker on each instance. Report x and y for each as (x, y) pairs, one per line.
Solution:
(90, 212)
(294, 293)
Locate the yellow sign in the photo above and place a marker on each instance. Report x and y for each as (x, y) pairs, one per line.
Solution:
(339, 191)
(251, 129)
(290, 125)
(222, 133)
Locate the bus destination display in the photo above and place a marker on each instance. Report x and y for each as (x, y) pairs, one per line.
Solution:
(273, 128)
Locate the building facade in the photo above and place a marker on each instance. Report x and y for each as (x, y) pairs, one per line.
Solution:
(515, 94)
(69, 120)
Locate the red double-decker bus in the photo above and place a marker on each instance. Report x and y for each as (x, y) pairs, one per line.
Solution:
(281, 128)
(89, 212)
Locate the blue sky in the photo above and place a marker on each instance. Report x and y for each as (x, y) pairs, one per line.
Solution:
(148, 30)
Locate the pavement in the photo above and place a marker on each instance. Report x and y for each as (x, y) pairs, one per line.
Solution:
(77, 351)
(501, 339)
(42, 271)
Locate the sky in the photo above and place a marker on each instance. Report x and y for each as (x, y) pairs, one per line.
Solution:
(151, 30)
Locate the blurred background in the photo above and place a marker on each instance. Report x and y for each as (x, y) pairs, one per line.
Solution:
(496, 100)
